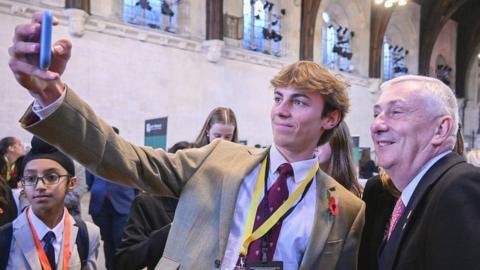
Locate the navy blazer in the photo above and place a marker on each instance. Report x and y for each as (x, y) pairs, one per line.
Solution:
(120, 196)
(440, 227)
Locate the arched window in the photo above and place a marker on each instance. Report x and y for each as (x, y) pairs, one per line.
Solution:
(336, 49)
(394, 60)
(262, 26)
(387, 60)
(157, 14)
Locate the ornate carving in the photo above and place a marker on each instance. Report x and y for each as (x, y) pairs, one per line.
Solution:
(214, 49)
(76, 21)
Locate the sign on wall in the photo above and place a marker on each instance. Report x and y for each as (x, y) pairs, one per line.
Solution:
(156, 132)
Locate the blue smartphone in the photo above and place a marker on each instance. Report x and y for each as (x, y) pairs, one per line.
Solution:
(46, 41)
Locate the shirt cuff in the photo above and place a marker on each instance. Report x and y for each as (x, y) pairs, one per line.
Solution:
(44, 112)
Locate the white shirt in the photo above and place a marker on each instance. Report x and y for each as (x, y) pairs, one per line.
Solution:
(410, 188)
(296, 228)
(42, 229)
(44, 112)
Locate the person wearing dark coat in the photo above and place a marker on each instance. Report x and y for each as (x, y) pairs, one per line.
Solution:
(146, 232)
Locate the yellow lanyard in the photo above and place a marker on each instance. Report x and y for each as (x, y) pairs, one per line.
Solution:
(249, 234)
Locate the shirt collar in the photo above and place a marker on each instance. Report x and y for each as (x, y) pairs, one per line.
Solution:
(42, 229)
(410, 188)
(300, 168)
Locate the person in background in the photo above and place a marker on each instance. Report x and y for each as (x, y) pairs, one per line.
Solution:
(109, 207)
(221, 123)
(473, 157)
(380, 195)
(72, 198)
(147, 228)
(8, 207)
(11, 151)
(366, 165)
(45, 235)
(336, 159)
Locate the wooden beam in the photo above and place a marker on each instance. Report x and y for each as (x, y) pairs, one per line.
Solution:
(434, 16)
(214, 19)
(379, 19)
(79, 4)
(308, 19)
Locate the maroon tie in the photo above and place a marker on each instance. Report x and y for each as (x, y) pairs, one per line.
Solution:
(277, 194)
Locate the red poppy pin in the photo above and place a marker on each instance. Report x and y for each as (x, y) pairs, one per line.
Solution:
(333, 206)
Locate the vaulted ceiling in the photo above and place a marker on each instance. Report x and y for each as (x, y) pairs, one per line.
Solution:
(434, 16)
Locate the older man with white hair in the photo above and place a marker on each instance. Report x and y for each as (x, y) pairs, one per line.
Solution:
(436, 221)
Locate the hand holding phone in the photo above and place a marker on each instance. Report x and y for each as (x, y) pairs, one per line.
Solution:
(46, 41)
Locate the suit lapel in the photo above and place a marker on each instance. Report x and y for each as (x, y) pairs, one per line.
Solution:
(322, 223)
(230, 189)
(73, 238)
(24, 239)
(392, 246)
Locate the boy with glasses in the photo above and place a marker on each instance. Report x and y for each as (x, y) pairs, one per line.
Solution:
(45, 236)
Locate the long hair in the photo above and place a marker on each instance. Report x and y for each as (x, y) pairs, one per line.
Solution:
(5, 143)
(219, 115)
(341, 166)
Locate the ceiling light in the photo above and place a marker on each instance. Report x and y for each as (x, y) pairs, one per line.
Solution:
(326, 17)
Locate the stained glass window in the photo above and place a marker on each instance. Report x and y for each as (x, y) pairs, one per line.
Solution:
(262, 26)
(394, 60)
(336, 49)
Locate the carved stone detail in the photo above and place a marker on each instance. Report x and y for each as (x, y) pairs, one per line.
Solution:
(76, 21)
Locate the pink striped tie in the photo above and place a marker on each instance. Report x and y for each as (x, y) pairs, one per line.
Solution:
(396, 214)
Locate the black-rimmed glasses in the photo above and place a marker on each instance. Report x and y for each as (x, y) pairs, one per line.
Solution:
(49, 179)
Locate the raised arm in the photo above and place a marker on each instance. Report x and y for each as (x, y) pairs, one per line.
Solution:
(45, 86)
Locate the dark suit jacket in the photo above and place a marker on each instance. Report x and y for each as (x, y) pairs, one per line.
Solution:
(146, 232)
(380, 203)
(120, 196)
(440, 227)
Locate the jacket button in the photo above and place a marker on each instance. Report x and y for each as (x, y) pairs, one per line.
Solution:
(217, 263)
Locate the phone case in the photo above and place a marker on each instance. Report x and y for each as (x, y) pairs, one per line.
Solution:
(46, 41)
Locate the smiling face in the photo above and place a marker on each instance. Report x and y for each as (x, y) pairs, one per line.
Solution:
(297, 121)
(403, 131)
(47, 199)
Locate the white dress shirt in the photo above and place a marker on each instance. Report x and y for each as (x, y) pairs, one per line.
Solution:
(42, 229)
(296, 228)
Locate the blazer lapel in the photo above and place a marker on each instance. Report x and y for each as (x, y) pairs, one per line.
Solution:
(322, 220)
(230, 189)
(73, 238)
(392, 246)
(24, 239)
